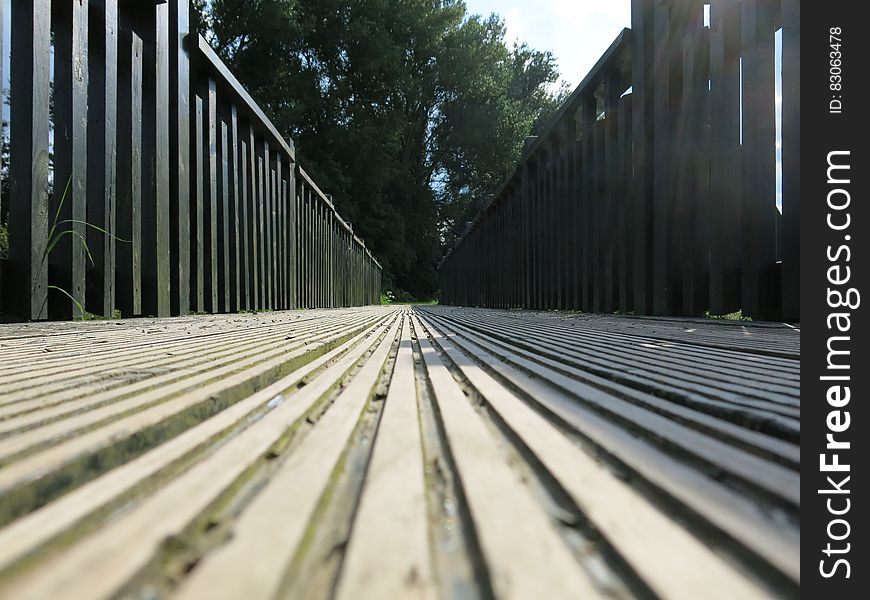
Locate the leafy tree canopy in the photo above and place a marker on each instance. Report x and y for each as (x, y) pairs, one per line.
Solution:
(407, 111)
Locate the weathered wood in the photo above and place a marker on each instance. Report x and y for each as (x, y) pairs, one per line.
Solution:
(695, 173)
(237, 224)
(212, 287)
(760, 275)
(225, 217)
(180, 169)
(128, 275)
(247, 256)
(102, 159)
(156, 280)
(28, 166)
(725, 158)
(162, 215)
(200, 245)
(67, 256)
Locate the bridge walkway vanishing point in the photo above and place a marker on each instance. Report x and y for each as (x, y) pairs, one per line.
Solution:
(387, 451)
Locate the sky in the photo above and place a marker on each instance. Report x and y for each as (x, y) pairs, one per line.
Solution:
(577, 32)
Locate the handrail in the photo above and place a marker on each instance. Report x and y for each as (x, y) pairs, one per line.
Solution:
(206, 52)
(590, 82)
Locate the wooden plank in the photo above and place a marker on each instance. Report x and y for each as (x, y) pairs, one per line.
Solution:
(388, 555)
(688, 570)
(247, 257)
(760, 276)
(211, 227)
(725, 158)
(269, 208)
(66, 260)
(180, 154)
(256, 227)
(729, 512)
(261, 234)
(791, 171)
(225, 217)
(198, 489)
(284, 500)
(694, 208)
(28, 166)
(28, 534)
(102, 148)
(587, 115)
(281, 232)
(128, 276)
(663, 302)
(643, 126)
(522, 551)
(156, 213)
(626, 189)
(200, 246)
(610, 196)
(238, 222)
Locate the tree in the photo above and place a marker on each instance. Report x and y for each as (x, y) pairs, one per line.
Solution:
(408, 113)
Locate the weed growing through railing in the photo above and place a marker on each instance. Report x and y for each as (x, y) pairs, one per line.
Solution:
(55, 235)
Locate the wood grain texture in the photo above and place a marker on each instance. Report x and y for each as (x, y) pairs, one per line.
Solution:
(396, 451)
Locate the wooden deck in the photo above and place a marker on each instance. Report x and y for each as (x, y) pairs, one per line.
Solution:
(391, 452)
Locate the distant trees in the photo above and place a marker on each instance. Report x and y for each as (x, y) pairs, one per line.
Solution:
(407, 112)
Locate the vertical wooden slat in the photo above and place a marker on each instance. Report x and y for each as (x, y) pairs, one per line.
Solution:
(102, 153)
(69, 199)
(292, 256)
(2, 140)
(200, 246)
(154, 24)
(695, 172)
(247, 249)
(725, 157)
(225, 217)
(610, 197)
(128, 265)
(760, 275)
(269, 226)
(261, 237)
(588, 114)
(625, 257)
(791, 152)
(662, 268)
(211, 129)
(282, 253)
(179, 157)
(256, 223)
(237, 248)
(28, 167)
(643, 126)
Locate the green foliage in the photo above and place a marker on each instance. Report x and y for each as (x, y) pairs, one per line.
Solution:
(735, 316)
(4, 241)
(408, 113)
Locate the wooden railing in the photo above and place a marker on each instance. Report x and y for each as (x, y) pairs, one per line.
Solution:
(661, 200)
(143, 178)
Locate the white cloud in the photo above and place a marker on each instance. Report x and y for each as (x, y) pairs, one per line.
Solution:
(513, 25)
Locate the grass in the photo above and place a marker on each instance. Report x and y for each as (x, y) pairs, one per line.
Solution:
(54, 237)
(734, 316)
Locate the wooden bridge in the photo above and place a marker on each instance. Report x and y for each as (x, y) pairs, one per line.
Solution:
(260, 428)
